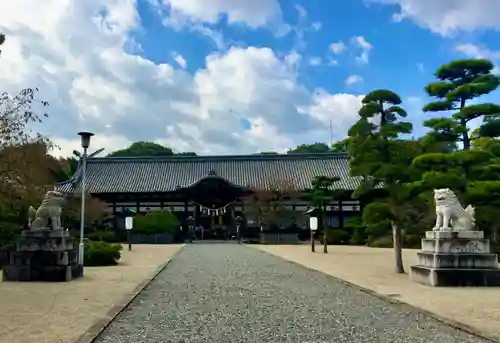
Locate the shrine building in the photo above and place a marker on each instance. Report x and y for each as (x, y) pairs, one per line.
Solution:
(213, 189)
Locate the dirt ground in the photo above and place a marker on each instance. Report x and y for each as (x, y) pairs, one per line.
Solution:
(373, 268)
(61, 312)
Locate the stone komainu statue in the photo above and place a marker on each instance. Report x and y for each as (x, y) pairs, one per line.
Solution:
(50, 208)
(449, 211)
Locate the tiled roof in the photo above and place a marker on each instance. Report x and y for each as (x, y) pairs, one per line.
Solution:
(164, 174)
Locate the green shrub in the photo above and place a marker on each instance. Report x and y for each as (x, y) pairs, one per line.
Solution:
(495, 249)
(335, 237)
(358, 237)
(104, 236)
(102, 254)
(381, 242)
(412, 241)
(156, 222)
(8, 233)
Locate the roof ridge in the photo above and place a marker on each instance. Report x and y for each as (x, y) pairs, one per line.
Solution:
(209, 158)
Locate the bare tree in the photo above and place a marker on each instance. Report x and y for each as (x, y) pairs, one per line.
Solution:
(24, 159)
(267, 203)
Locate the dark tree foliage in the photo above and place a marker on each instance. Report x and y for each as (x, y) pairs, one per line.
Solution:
(143, 148)
(310, 148)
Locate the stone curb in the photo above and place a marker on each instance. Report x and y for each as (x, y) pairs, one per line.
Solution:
(93, 332)
(450, 322)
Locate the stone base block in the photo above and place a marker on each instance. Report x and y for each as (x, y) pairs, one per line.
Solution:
(456, 245)
(447, 277)
(45, 233)
(43, 258)
(443, 260)
(454, 234)
(52, 273)
(32, 243)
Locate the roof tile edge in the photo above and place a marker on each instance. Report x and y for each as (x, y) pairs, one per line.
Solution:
(326, 155)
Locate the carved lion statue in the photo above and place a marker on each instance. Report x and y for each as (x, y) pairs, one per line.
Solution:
(450, 215)
(51, 207)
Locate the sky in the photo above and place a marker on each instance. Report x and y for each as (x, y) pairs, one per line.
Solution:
(231, 76)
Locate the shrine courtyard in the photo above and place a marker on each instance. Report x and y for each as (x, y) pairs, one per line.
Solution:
(237, 293)
(225, 292)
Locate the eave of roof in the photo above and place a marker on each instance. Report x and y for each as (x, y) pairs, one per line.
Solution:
(166, 173)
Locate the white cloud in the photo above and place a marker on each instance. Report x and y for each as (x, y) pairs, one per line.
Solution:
(254, 14)
(316, 26)
(446, 17)
(337, 47)
(340, 109)
(365, 48)
(181, 61)
(75, 52)
(302, 11)
(332, 62)
(420, 67)
(353, 79)
(315, 61)
(478, 51)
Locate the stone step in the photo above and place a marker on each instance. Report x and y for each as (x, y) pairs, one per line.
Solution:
(462, 260)
(454, 234)
(456, 245)
(447, 277)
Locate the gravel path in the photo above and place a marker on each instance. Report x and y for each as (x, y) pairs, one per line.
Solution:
(232, 293)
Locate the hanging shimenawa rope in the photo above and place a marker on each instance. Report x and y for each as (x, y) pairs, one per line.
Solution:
(213, 211)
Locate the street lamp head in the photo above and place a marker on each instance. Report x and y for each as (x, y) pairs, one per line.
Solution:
(85, 138)
(239, 220)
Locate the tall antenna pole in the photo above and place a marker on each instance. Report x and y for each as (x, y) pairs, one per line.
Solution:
(331, 135)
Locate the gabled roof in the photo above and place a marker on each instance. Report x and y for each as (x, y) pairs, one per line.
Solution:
(165, 174)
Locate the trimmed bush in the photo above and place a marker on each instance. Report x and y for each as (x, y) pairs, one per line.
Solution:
(495, 249)
(8, 233)
(335, 237)
(102, 253)
(381, 242)
(156, 222)
(103, 236)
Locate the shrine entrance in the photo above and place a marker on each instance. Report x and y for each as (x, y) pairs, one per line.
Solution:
(213, 200)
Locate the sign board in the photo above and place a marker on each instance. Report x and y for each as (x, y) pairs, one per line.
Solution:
(129, 223)
(313, 223)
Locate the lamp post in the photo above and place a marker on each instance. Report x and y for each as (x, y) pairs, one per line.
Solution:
(129, 224)
(313, 225)
(191, 222)
(239, 222)
(85, 139)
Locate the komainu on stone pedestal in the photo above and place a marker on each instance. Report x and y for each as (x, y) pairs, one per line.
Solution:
(50, 208)
(43, 253)
(455, 256)
(450, 215)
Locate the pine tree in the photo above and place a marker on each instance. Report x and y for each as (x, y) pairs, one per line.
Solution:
(381, 158)
(460, 82)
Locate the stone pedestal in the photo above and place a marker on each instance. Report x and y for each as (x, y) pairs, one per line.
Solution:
(43, 255)
(456, 258)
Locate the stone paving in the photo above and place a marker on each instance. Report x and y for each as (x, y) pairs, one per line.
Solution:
(234, 293)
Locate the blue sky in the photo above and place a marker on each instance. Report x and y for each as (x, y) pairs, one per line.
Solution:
(234, 76)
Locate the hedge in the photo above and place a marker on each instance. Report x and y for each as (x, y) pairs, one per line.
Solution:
(98, 253)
